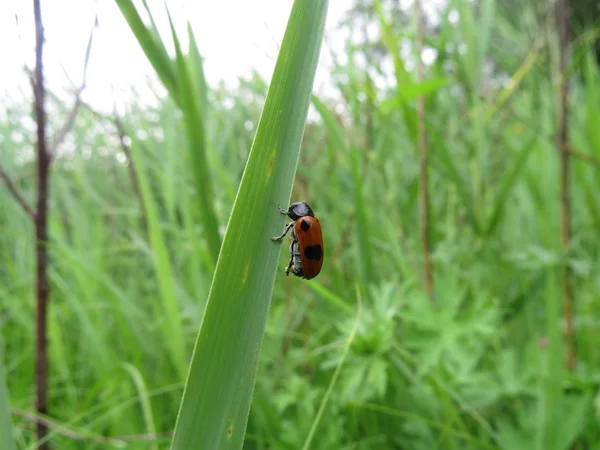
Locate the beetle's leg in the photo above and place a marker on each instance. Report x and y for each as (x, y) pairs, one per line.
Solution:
(295, 264)
(285, 231)
(289, 267)
(281, 210)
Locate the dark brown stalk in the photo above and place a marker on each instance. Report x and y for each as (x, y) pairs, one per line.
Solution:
(41, 231)
(39, 216)
(565, 200)
(423, 161)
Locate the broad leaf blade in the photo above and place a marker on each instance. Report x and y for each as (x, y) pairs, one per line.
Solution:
(216, 401)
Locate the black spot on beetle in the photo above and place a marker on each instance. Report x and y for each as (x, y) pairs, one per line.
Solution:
(305, 225)
(314, 252)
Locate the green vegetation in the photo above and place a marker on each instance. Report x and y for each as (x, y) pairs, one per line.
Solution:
(360, 357)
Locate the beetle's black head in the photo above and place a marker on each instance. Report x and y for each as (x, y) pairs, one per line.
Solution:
(299, 209)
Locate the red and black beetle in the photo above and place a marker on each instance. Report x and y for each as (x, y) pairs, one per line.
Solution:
(306, 250)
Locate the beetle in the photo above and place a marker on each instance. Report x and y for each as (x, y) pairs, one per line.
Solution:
(306, 249)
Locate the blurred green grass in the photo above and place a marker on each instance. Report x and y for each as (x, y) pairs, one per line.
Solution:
(484, 369)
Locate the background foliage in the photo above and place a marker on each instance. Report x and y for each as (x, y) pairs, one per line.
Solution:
(481, 367)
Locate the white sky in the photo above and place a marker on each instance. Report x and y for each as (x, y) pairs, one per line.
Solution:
(234, 36)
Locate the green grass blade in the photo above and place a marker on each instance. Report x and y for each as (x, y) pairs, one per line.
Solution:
(336, 373)
(153, 48)
(363, 255)
(184, 80)
(145, 405)
(404, 81)
(335, 131)
(469, 58)
(6, 436)
(592, 106)
(190, 93)
(198, 70)
(508, 182)
(172, 327)
(412, 92)
(462, 186)
(216, 400)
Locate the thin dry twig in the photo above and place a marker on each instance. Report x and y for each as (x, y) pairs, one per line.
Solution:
(60, 137)
(131, 168)
(116, 121)
(16, 194)
(88, 437)
(423, 161)
(583, 156)
(565, 200)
